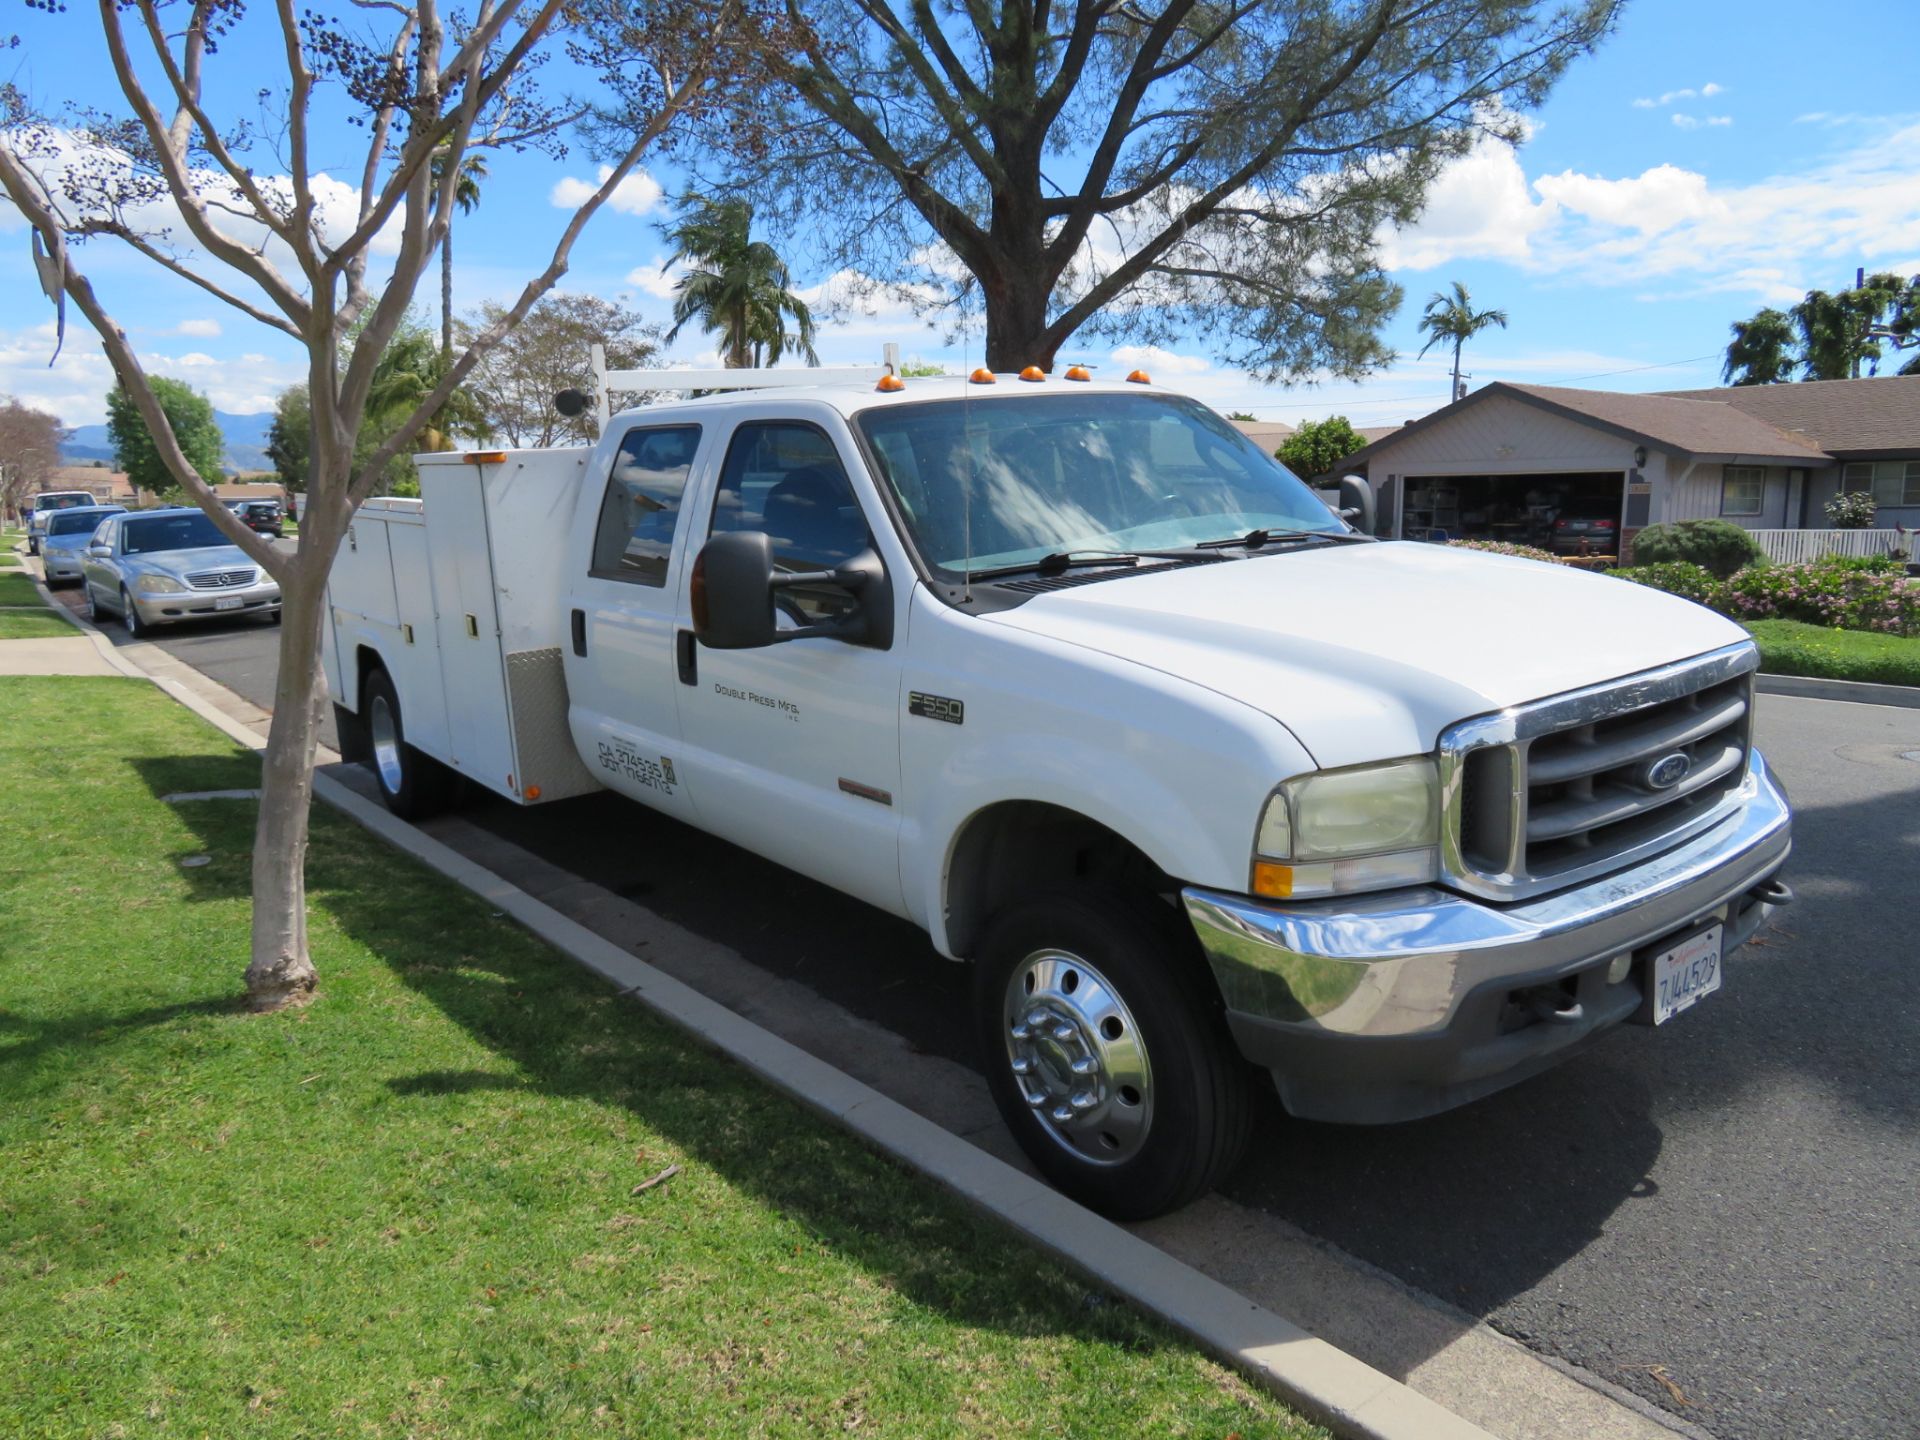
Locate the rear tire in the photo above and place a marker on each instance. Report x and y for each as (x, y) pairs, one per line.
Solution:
(1104, 1043)
(415, 786)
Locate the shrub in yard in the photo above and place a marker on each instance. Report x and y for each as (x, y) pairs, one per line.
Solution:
(1504, 547)
(1719, 545)
(1837, 596)
(1851, 510)
(1676, 577)
(1872, 564)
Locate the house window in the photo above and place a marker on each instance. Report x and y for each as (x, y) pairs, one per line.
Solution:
(1895, 482)
(1858, 475)
(1742, 489)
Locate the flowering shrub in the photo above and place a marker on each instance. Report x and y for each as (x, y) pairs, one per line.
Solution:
(1676, 577)
(1852, 510)
(1841, 596)
(1836, 592)
(1503, 547)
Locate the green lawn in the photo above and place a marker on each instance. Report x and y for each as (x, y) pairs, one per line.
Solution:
(16, 588)
(33, 625)
(1788, 647)
(408, 1210)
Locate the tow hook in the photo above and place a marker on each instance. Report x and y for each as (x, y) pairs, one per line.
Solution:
(1773, 892)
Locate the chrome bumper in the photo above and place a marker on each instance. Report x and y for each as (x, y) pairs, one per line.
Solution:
(1389, 1006)
(170, 609)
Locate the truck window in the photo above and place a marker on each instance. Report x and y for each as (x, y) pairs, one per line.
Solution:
(642, 505)
(785, 478)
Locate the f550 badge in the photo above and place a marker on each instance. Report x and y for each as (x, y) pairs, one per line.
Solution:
(936, 707)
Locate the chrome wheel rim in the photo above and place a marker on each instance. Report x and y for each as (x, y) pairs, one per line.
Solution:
(385, 731)
(1078, 1057)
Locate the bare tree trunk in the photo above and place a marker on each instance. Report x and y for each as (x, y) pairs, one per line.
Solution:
(281, 971)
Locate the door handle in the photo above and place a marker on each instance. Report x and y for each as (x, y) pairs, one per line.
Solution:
(579, 632)
(683, 653)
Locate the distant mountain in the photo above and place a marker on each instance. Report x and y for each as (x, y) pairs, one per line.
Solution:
(246, 437)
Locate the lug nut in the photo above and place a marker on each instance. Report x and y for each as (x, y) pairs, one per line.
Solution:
(1037, 1101)
(1036, 1019)
(1063, 1032)
(1062, 1114)
(1022, 1066)
(1083, 1100)
(1086, 1065)
(1021, 1032)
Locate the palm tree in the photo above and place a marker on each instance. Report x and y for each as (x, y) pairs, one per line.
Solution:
(1452, 317)
(466, 196)
(736, 286)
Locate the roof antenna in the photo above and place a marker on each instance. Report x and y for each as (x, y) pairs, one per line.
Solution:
(966, 490)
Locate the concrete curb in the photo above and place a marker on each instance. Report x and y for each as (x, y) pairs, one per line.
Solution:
(1860, 692)
(1326, 1384)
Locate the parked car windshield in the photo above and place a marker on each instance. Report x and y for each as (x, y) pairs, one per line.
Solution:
(85, 523)
(991, 482)
(172, 532)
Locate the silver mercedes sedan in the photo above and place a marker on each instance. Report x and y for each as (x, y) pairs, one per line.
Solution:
(68, 533)
(159, 567)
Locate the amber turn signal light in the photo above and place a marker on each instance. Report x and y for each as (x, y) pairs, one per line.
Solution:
(1140, 377)
(983, 376)
(486, 457)
(1033, 372)
(1078, 372)
(889, 384)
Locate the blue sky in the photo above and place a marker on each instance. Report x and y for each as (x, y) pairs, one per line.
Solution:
(1715, 156)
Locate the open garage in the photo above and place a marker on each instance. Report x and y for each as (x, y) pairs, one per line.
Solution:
(1575, 511)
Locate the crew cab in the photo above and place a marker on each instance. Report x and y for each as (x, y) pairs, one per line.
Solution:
(1200, 778)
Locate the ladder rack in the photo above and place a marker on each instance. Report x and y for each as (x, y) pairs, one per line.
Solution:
(606, 381)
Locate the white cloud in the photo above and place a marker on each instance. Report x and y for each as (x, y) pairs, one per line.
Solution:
(1673, 97)
(1694, 122)
(201, 329)
(1771, 239)
(638, 194)
(656, 278)
(1153, 359)
(1479, 207)
(75, 386)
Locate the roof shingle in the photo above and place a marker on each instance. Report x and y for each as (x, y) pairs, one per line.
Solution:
(1841, 416)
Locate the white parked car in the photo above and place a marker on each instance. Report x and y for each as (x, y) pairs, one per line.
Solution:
(1202, 781)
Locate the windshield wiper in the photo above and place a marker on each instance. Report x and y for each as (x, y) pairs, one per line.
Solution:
(1259, 539)
(1055, 562)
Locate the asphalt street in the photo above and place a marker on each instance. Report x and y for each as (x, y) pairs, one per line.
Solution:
(1719, 1215)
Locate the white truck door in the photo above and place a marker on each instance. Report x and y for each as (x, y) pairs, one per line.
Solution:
(794, 751)
(620, 658)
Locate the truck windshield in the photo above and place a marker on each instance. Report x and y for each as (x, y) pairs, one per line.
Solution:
(173, 532)
(1003, 482)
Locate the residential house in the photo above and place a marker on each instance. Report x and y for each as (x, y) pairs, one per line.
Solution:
(1507, 459)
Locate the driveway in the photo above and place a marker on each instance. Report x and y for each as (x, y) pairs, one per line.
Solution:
(1718, 1215)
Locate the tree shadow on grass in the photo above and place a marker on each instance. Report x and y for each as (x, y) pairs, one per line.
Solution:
(570, 1036)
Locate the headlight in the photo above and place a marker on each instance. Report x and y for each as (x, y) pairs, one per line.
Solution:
(159, 585)
(1341, 831)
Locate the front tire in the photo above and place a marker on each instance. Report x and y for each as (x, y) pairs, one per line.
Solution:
(137, 629)
(1105, 1047)
(415, 786)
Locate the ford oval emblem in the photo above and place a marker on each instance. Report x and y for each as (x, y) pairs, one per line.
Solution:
(1669, 770)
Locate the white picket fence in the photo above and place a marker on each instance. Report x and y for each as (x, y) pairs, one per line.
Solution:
(1787, 547)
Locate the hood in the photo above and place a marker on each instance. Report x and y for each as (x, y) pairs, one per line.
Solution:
(1366, 652)
(181, 563)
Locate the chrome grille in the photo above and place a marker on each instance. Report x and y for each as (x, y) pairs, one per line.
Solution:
(220, 579)
(1558, 791)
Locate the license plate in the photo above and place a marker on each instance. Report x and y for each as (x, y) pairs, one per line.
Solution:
(1686, 974)
(229, 602)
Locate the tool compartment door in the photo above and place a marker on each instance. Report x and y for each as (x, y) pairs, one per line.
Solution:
(467, 625)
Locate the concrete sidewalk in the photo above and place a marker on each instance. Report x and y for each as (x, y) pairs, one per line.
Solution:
(62, 655)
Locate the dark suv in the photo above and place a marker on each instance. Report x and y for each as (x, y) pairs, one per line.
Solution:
(261, 516)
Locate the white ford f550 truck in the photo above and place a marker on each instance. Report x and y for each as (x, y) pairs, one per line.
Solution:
(1201, 779)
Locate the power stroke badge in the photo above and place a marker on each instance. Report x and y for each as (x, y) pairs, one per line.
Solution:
(936, 707)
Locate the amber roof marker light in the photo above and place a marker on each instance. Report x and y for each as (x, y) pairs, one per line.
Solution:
(1033, 374)
(1079, 372)
(890, 384)
(983, 376)
(1139, 377)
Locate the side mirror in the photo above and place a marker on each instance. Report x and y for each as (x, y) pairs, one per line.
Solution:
(734, 579)
(98, 549)
(1356, 503)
